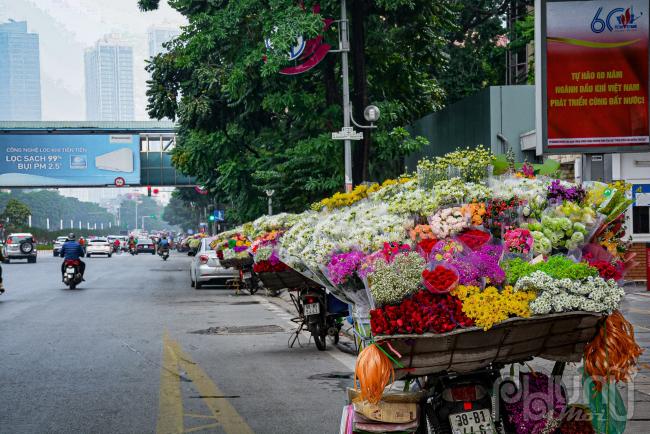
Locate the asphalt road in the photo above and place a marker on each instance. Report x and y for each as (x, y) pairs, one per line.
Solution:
(121, 355)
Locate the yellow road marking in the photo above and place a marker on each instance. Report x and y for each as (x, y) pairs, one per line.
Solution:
(171, 416)
(170, 410)
(222, 410)
(202, 427)
(200, 416)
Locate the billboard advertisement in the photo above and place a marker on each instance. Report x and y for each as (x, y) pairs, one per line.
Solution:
(596, 70)
(57, 160)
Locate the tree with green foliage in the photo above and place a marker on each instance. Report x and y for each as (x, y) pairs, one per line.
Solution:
(148, 208)
(187, 208)
(245, 128)
(16, 215)
(50, 204)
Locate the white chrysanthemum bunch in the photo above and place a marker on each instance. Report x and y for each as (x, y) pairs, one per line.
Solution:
(593, 294)
(391, 282)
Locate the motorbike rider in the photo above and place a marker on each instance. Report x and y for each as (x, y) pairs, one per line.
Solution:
(132, 242)
(163, 244)
(116, 245)
(71, 251)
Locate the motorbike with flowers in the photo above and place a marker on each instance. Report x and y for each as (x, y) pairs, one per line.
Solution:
(509, 267)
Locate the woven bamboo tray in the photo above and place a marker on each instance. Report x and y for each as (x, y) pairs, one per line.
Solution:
(236, 262)
(560, 337)
(289, 279)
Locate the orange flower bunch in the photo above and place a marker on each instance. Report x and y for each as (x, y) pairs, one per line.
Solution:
(421, 232)
(476, 210)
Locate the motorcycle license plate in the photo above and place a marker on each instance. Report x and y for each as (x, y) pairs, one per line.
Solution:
(70, 270)
(247, 275)
(312, 309)
(472, 422)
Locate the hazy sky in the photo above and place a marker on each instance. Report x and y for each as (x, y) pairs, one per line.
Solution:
(67, 27)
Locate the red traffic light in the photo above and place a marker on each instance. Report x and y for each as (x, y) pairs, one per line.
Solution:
(155, 191)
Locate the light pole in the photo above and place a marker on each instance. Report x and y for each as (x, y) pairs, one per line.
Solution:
(145, 217)
(371, 113)
(344, 46)
(269, 194)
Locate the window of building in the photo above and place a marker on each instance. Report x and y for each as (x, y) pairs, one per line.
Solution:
(641, 219)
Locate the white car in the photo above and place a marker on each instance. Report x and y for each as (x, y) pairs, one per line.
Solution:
(56, 250)
(206, 269)
(99, 246)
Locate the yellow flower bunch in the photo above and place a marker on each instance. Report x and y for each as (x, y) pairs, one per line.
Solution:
(490, 306)
(340, 200)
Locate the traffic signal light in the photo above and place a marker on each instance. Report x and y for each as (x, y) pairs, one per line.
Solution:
(155, 191)
(211, 218)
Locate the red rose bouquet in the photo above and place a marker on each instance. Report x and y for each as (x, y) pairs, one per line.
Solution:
(440, 278)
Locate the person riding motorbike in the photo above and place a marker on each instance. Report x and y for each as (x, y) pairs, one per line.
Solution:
(163, 245)
(72, 251)
(2, 288)
(116, 245)
(132, 243)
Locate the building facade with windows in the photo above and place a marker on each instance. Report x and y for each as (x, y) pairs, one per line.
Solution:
(157, 36)
(109, 80)
(20, 73)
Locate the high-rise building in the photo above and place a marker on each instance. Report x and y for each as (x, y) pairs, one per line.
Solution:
(109, 80)
(20, 73)
(158, 36)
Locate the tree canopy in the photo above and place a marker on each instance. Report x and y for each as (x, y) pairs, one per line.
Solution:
(245, 128)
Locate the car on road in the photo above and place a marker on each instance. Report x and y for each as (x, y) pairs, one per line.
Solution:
(58, 243)
(145, 246)
(205, 268)
(99, 246)
(20, 246)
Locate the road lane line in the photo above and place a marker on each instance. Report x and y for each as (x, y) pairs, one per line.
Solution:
(170, 410)
(223, 411)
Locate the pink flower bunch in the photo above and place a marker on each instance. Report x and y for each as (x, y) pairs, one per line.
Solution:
(518, 240)
(343, 265)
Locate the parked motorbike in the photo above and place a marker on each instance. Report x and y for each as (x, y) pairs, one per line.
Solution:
(323, 315)
(72, 273)
(467, 403)
(249, 279)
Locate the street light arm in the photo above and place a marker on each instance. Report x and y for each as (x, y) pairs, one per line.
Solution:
(368, 127)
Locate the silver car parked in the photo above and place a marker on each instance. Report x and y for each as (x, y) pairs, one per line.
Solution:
(206, 269)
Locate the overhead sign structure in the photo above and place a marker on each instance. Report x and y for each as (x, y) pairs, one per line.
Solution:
(594, 76)
(56, 160)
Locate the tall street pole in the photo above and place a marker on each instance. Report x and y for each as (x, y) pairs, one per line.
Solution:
(345, 48)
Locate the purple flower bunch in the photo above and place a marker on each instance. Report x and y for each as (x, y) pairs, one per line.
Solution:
(343, 265)
(483, 263)
(274, 259)
(538, 398)
(558, 192)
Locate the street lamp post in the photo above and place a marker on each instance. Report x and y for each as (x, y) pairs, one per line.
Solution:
(269, 194)
(347, 133)
(344, 46)
(145, 217)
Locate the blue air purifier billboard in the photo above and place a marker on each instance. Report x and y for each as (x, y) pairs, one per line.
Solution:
(57, 160)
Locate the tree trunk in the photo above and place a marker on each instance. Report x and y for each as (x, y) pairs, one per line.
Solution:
(361, 153)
